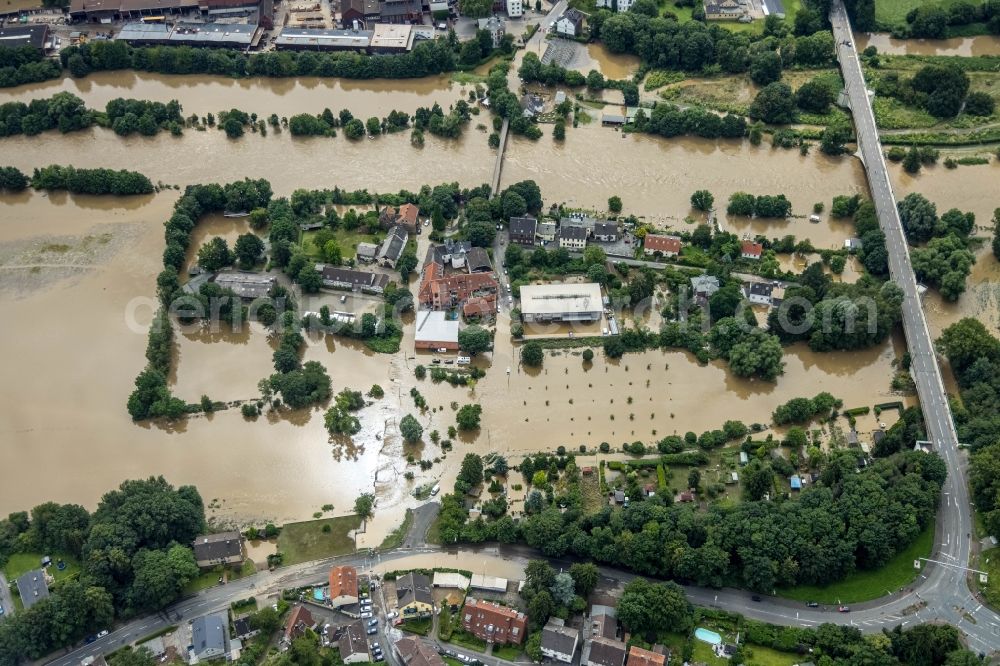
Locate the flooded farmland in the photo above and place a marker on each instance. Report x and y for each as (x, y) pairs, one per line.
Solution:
(74, 343)
(981, 45)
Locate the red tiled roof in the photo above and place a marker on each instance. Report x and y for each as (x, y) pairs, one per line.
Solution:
(343, 582)
(408, 214)
(658, 243)
(749, 247)
(436, 289)
(298, 620)
(476, 307)
(637, 656)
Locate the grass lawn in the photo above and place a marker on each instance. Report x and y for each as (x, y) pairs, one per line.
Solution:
(866, 585)
(348, 241)
(421, 626)
(989, 561)
(895, 11)
(467, 640)
(305, 541)
(210, 578)
(395, 538)
(21, 563)
(507, 652)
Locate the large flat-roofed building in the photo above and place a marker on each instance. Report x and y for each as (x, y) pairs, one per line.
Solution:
(391, 38)
(214, 549)
(35, 36)
(307, 39)
(435, 331)
(223, 35)
(32, 587)
(561, 302)
(246, 285)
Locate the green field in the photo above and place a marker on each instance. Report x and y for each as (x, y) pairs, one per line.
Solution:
(210, 578)
(395, 538)
(22, 563)
(306, 541)
(895, 11)
(507, 652)
(348, 241)
(989, 561)
(866, 585)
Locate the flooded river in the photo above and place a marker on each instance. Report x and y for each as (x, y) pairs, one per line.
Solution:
(285, 97)
(74, 338)
(981, 45)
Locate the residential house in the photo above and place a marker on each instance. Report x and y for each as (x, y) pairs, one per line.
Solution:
(559, 641)
(242, 628)
(521, 230)
(32, 587)
(570, 24)
(685, 496)
(366, 252)
(478, 261)
(605, 652)
(496, 27)
(638, 656)
(668, 246)
(546, 231)
(751, 250)
(353, 644)
(603, 621)
(476, 307)
(703, 286)
(211, 550)
(450, 254)
(94, 660)
(515, 8)
(572, 237)
(727, 10)
(532, 105)
(759, 293)
(299, 620)
(606, 232)
(210, 636)
(493, 623)
(443, 292)
(348, 278)
(406, 216)
(414, 652)
(246, 285)
(853, 244)
(413, 595)
(777, 296)
(343, 589)
(621, 6)
(393, 246)
(356, 14)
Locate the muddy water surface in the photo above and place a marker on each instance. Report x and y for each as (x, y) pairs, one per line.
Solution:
(264, 96)
(956, 46)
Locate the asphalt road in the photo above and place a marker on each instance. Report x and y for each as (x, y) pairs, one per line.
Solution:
(944, 588)
(6, 603)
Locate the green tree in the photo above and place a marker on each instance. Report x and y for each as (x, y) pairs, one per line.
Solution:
(474, 340)
(532, 354)
(467, 417)
(588, 355)
(654, 607)
(249, 248)
(702, 200)
(559, 130)
(615, 204)
(774, 104)
(214, 254)
(585, 577)
(765, 68)
(410, 428)
(563, 589)
(364, 505)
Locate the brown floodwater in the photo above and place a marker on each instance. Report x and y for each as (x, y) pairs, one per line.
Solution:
(655, 176)
(75, 347)
(264, 96)
(611, 65)
(956, 46)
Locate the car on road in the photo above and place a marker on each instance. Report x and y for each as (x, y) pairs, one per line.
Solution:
(365, 615)
(373, 622)
(372, 631)
(755, 597)
(813, 604)
(392, 614)
(102, 634)
(844, 609)
(90, 639)
(379, 658)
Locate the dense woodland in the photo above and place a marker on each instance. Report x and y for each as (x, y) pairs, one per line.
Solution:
(848, 520)
(135, 556)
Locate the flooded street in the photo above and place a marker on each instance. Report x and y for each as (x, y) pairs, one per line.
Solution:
(981, 45)
(75, 337)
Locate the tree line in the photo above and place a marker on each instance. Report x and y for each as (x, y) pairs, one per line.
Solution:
(427, 58)
(26, 64)
(135, 556)
(91, 181)
(68, 113)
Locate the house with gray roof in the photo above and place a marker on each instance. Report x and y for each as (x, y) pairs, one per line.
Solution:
(32, 587)
(559, 641)
(392, 247)
(521, 230)
(210, 636)
(211, 550)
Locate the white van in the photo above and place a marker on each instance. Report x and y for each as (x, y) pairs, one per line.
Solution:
(464, 360)
(435, 490)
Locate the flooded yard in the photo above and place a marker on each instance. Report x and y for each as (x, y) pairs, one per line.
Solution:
(981, 45)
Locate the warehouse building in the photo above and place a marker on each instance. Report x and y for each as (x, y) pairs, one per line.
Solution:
(561, 302)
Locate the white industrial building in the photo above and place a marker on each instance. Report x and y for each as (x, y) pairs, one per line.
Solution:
(561, 302)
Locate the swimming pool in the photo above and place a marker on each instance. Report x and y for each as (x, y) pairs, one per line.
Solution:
(707, 635)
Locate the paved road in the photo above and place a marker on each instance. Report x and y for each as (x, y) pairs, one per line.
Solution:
(944, 588)
(6, 603)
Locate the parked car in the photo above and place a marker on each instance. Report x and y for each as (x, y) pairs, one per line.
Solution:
(90, 639)
(376, 647)
(372, 631)
(373, 622)
(365, 615)
(392, 614)
(813, 604)
(844, 609)
(102, 634)
(755, 597)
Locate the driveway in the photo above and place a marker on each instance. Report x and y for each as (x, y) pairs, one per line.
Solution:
(6, 602)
